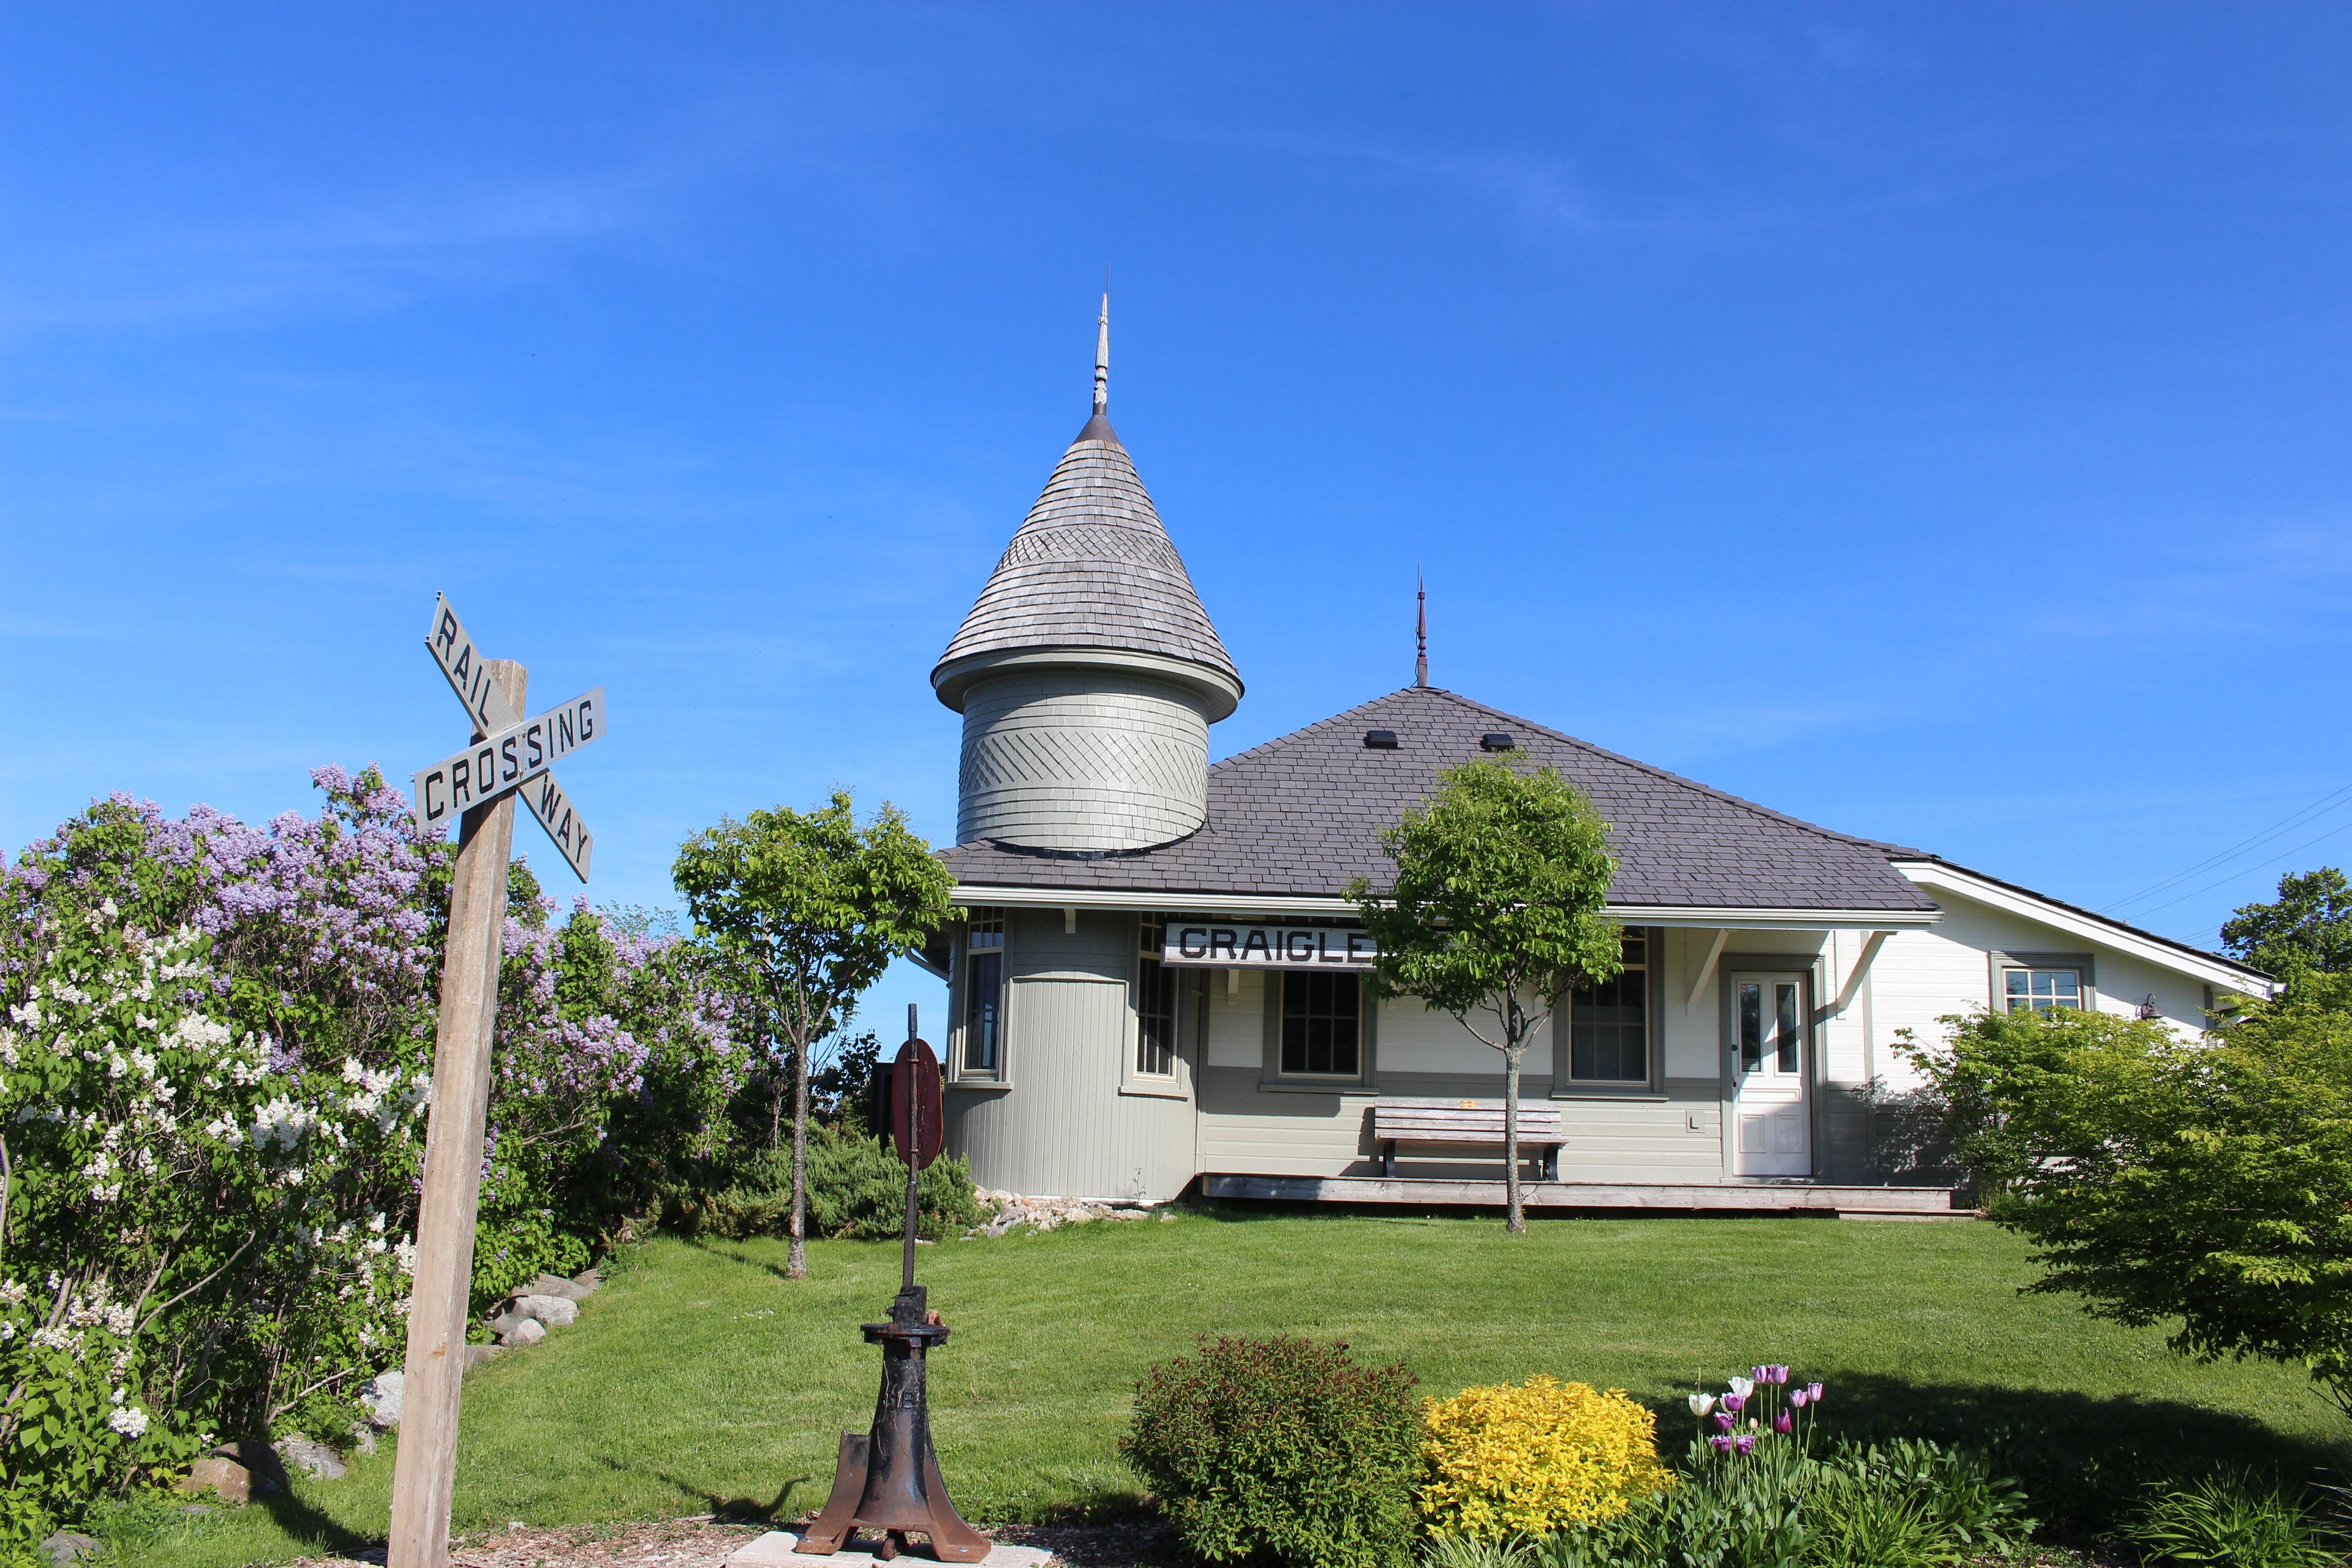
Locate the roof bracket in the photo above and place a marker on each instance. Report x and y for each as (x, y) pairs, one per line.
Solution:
(1707, 969)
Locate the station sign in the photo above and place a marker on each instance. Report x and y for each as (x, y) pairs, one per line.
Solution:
(1224, 944)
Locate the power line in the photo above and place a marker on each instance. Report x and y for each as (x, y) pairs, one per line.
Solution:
(2243, 869)
(2296, 819)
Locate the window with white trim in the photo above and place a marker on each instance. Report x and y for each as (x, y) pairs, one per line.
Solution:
(1155, 1003)
(1609, 1023)
(1322, 1024)
(2027, 990)
(983, 993)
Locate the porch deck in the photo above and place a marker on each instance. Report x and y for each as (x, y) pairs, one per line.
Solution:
(1739, 1197)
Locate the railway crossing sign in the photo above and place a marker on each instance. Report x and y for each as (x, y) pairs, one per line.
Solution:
(511, 758)
(468, 673)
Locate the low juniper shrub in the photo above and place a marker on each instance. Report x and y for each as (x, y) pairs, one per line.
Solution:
(1283, 1450)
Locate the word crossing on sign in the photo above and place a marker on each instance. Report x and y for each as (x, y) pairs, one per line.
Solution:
(506, 758)
(463, 664)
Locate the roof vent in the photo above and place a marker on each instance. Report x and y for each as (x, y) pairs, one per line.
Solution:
(1379, 739)
(1495, 741)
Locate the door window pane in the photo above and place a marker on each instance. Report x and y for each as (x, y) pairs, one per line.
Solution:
(1784, 997)
(1321, 1023)
(1751, 1026)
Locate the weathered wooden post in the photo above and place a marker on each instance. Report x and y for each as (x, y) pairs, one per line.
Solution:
(425, 1469)
(509, 755)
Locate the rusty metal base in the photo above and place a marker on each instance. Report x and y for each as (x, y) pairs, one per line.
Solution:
(952, 1541)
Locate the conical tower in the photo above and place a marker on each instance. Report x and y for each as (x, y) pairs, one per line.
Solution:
(1088, 673)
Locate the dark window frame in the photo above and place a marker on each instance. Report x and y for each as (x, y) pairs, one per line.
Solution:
(981, 1055)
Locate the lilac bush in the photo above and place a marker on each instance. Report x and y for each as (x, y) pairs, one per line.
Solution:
(215, 1069)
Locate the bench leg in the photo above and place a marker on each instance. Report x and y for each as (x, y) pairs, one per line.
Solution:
(1387, 1159)
(1551, 1163)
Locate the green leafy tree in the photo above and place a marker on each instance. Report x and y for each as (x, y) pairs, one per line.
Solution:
(2206, 1184)
(1494, 916)
(2307, 931)
(811, 907)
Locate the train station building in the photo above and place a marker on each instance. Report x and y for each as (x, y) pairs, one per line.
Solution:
(1157, 983)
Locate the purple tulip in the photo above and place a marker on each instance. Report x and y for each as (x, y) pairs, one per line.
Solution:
(1735, 1403)
(1799, 1399)
(1719, 1443)
(1783, 1424)
(1761, 1373)
(1723, 1420)
(1745, 1443)
(1813, 1391)
(1776, 1375)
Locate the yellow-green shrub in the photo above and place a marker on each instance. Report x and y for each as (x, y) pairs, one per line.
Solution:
(1533, 1457)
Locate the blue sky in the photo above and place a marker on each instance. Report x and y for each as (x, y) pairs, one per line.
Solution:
(1929, 421)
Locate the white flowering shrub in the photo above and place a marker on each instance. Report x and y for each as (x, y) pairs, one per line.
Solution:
(215, 1049)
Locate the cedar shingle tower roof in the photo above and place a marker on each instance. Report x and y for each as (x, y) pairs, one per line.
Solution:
(1092, 570)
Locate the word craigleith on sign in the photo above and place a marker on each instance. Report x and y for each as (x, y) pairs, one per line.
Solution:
(1209, 945)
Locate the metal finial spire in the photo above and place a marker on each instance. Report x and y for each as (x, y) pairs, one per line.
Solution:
(1102, 357)
(1420, 630)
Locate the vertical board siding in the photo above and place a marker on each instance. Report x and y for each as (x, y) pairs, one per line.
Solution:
(1065, 1128)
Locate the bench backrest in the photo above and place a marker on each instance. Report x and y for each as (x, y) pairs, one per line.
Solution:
(1460, 1121)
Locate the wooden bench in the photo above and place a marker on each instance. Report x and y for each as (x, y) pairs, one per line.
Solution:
(1465, 1122)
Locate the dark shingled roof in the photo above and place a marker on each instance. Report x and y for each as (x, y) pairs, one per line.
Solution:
(1092, 568)
(1298, 815)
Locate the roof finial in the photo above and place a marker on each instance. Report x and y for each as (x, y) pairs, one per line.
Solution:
(1420, 630)
(1102, 357)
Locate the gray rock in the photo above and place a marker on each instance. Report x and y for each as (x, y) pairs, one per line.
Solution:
(69, 1546)
(528, 1331)
(362, 1437)
(587, 1282)
(557, 1285)
(555, 1311)
(504, 1325)
(381, 1398)
(477, 1355)
(312, 1458)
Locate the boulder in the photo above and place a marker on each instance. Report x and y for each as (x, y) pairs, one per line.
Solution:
(505, 1323)
(555, 1311)
(529, 1331)
(362, 1437)
(232, 1481)
(69, 1546)
(312, 1458)
(587, 1282)
(477, 1355)
(557, 1285)
(381, 1398)
(260, 1462)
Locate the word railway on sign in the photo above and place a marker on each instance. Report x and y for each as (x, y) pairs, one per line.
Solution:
(469, 676)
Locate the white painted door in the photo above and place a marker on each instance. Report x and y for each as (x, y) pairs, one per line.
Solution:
(1770, 1047)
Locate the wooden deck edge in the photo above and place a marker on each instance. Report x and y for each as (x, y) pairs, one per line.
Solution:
(1733, 1198)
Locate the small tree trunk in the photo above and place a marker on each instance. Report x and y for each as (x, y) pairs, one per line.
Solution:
(796, 1259)
(775, 1108)
(1515, 1219)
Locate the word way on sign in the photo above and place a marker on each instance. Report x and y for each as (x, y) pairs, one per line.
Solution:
(467, 671)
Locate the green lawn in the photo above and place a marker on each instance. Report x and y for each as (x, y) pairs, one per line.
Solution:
(700, 1380)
